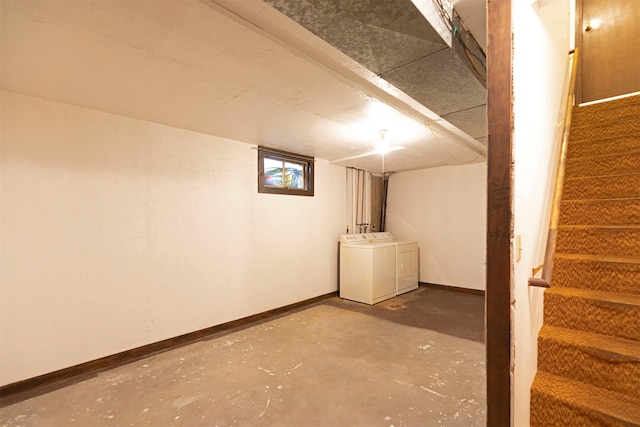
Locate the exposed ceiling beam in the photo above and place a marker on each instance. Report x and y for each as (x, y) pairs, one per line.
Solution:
(261, 18)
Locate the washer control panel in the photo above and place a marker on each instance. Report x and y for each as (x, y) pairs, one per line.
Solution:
(346, 239)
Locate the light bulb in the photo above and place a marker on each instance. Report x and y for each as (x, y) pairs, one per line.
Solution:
(383, 147)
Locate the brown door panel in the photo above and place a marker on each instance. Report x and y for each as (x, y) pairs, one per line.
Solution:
(610, 52)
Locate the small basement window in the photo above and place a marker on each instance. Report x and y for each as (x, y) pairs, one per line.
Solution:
(280, 172)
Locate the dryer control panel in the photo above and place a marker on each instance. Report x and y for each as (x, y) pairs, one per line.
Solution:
(346, 239)
(377, 237)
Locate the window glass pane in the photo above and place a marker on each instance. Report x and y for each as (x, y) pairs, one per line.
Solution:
(280, 172)
(294, 175)
(273, 172)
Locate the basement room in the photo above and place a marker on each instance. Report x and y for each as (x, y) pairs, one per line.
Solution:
(256, 213)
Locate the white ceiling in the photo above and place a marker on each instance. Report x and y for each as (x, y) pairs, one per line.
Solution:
(234, 69)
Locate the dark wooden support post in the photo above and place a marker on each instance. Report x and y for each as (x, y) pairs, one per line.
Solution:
(499, 216)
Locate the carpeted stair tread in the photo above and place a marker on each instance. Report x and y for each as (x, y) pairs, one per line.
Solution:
(600, 312)
(557, 401)
(601, 212)
(599, 360)
(613, 297)
(615, 164)
(613, 275)
(591, 115)
(592, 240)
(612, 104)
(602, 187)
(617, 347)
(600, 226)
(603, 146)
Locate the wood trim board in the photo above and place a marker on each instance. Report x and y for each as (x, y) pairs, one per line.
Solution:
(499, 213)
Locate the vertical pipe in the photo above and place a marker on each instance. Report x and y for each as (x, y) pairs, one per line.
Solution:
(383, 216)
(362, 199)
(357, 200)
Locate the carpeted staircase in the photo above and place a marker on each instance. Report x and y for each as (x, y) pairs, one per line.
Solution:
(589, 344)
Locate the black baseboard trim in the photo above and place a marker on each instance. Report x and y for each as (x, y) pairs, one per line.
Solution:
(31, 387)
(452, 288)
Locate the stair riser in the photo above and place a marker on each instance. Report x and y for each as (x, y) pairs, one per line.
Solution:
(547, 411)
(603, 114)
(616, 242)
(607, 187)
(604, 165)
(600, 212)
(597, 368)
(599, 317)
(614, 129)
(603, 147)
(596, 275)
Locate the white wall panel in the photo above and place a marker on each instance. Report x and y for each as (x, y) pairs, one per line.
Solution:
(444, 209)
(541, 46)
(117, 233)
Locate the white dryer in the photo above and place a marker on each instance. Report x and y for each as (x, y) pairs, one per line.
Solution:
(406, 261)
(367, 268)
(406, 266)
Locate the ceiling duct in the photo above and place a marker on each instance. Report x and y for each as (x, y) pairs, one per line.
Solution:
(420, 47)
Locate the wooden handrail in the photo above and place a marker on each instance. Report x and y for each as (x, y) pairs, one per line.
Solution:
(550, 249)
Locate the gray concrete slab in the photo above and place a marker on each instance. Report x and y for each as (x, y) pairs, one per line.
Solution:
(414, 360)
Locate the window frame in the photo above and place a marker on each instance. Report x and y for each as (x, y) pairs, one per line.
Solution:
(308, 170)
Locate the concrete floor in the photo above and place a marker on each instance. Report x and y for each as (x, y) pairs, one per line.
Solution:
(415, 360)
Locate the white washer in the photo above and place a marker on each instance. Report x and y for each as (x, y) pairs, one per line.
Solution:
(367, 268)
(406, 261)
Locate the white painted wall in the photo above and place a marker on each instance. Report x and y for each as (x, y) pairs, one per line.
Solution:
(541, 45)
(117, 233)
(444, 209)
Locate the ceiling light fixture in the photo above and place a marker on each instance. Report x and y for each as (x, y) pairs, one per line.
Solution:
(383, 146)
